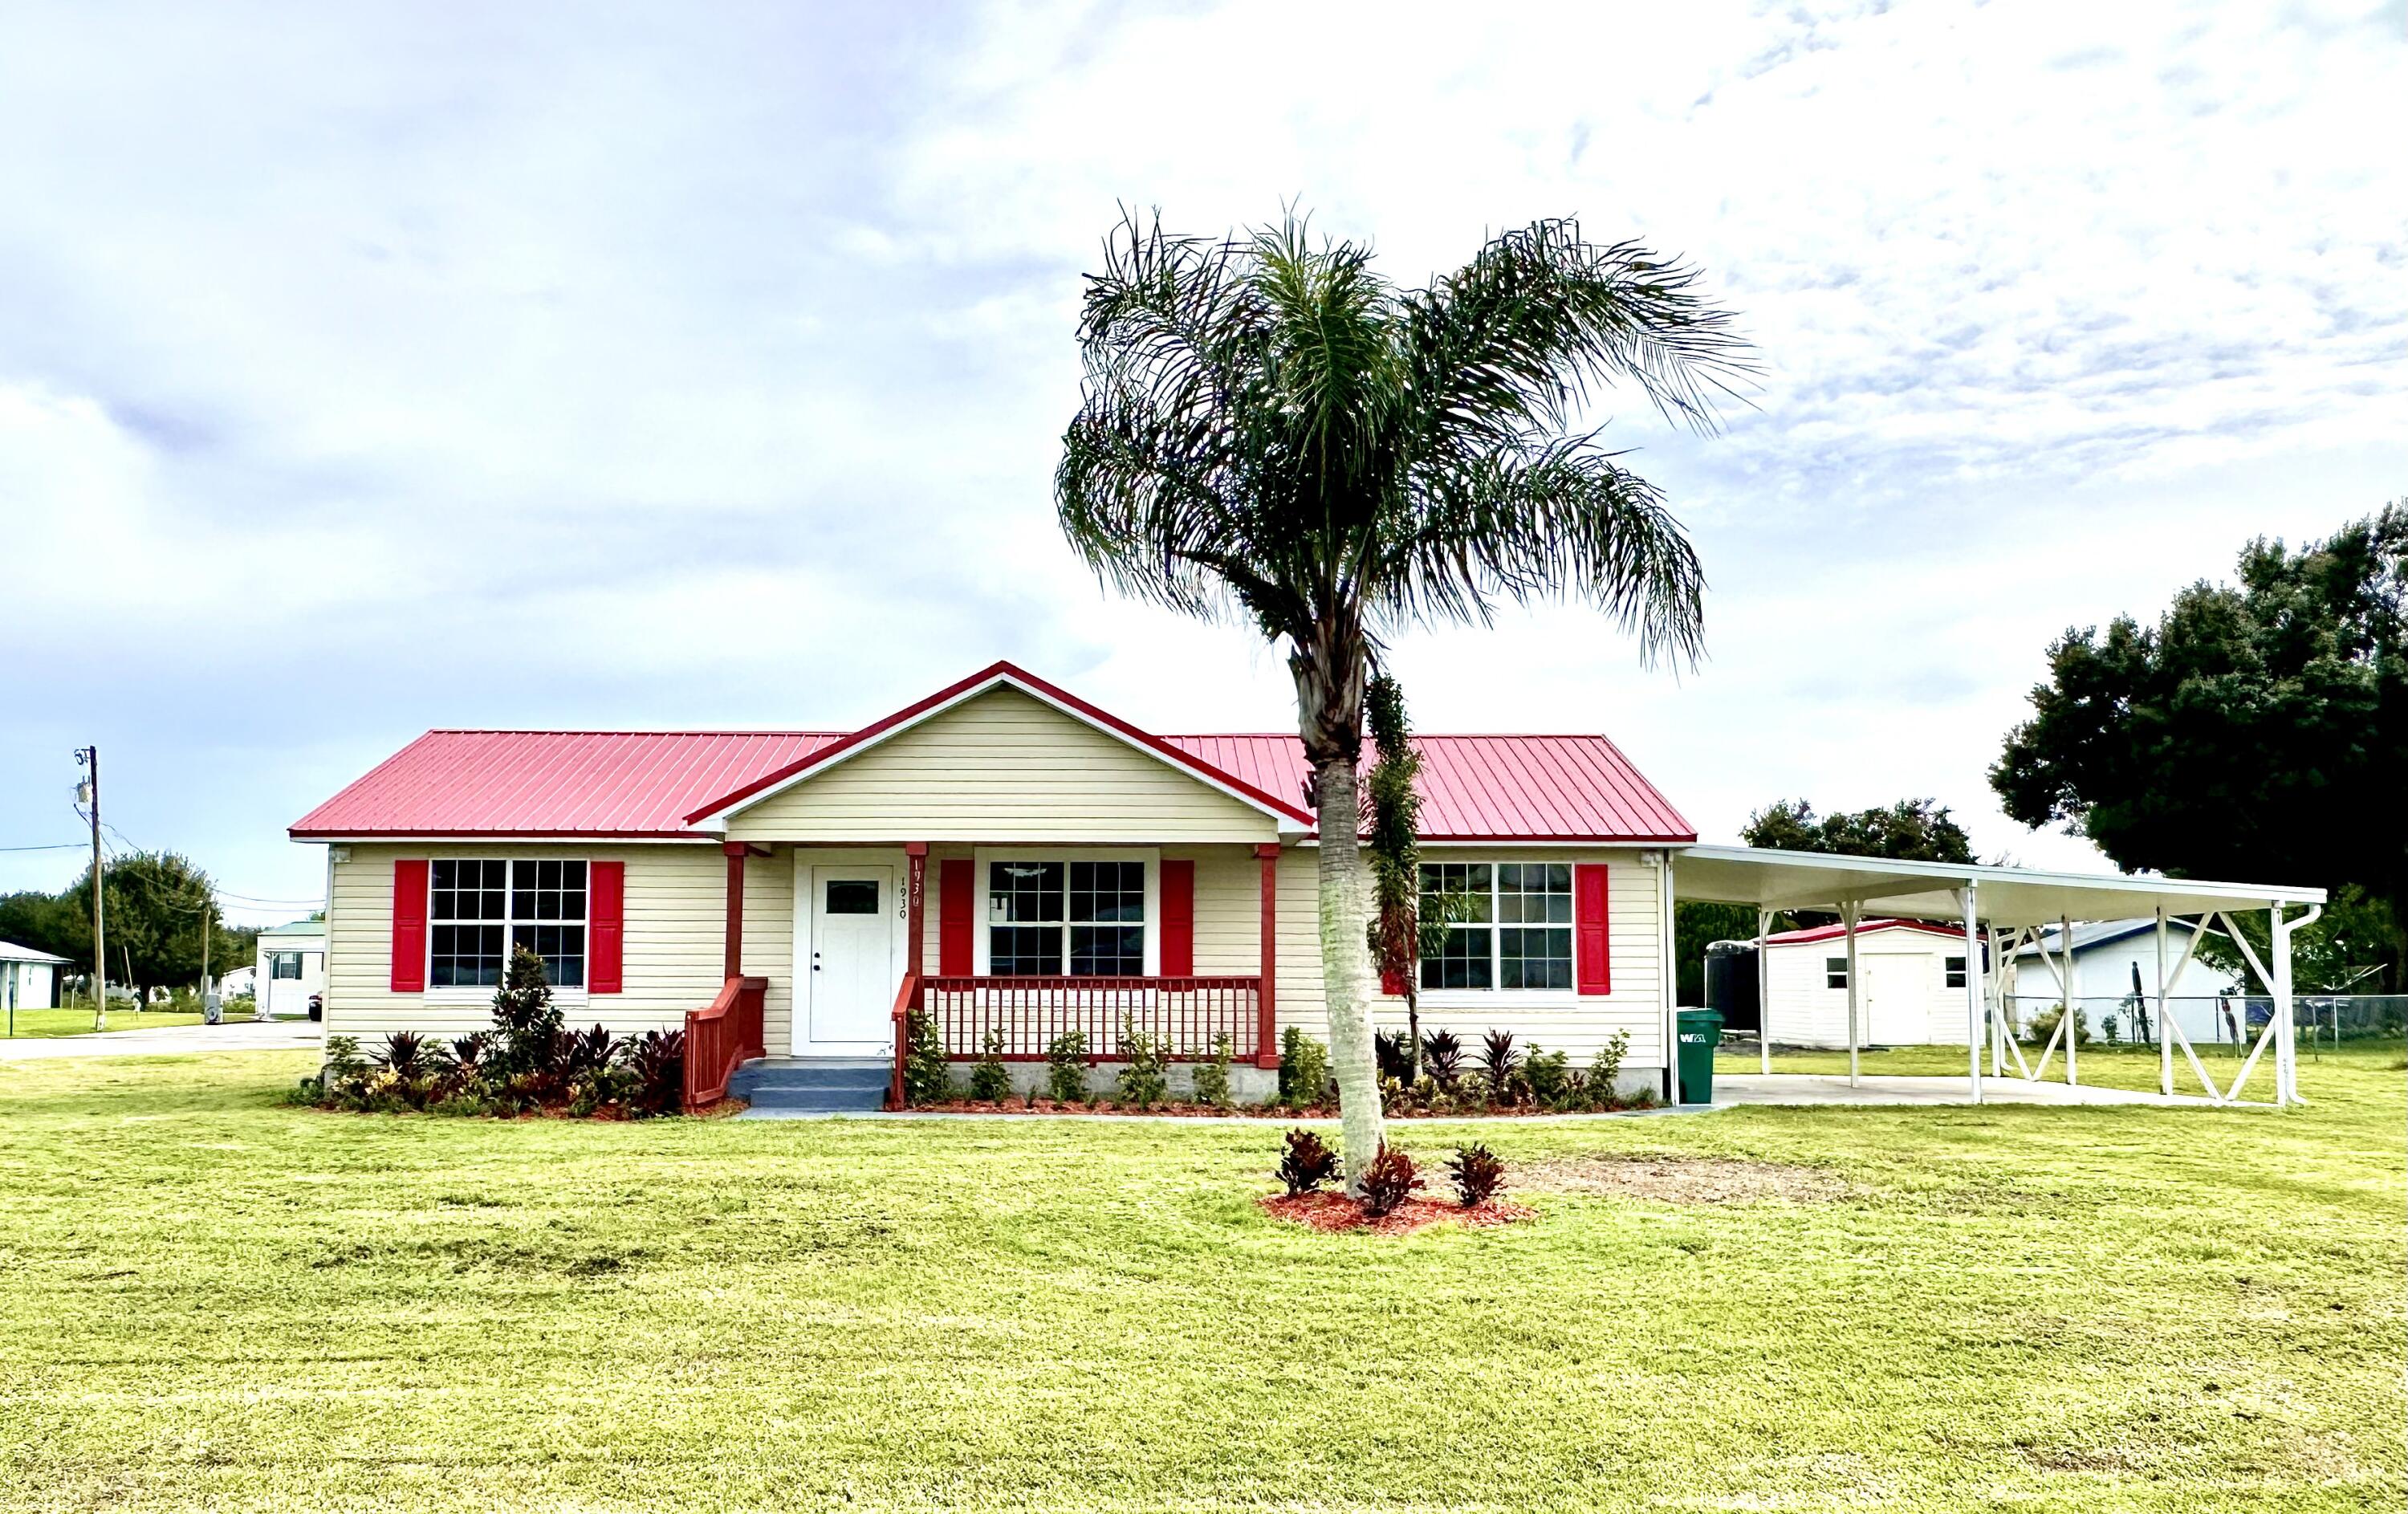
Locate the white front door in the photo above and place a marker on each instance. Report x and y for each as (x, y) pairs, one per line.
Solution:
(852, 969)
(1898, 1001)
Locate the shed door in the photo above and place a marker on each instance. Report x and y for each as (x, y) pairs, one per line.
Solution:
(1898, 1000)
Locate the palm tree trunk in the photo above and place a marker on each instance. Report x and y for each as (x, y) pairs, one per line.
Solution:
(1345, 961)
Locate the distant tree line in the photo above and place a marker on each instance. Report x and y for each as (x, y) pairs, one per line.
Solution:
(155, 905)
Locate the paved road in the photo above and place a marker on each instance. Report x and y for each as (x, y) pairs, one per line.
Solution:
(242, 1035)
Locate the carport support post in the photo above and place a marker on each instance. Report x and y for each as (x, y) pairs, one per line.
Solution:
(1848, 925)
(2065, 997)
(2165, 1037)
(1973, 975)
(2279, 936)
(1763, 987)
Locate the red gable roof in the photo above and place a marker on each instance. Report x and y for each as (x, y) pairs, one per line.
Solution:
(1834, 933)
(659, 783)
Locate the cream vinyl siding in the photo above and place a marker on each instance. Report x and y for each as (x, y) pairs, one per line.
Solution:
(675, 919)
(1804, 1010)
(1002, 767)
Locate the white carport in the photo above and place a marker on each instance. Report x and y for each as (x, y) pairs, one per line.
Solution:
(2008, 907)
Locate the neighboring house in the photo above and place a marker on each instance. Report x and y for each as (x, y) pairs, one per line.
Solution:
(1015, 857)
(238, 983)
(29, 979)
(2106, 955)
(1912, 992)
(292, 966)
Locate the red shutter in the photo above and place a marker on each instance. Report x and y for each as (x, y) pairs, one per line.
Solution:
(1589, 950)
(410, 925)
(1392, 983)
(1177, 919)
(956, 891)
(606, 900)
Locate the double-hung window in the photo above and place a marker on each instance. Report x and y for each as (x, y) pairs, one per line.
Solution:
(477, 910)
(1048, 918)
(1955, 967)
(1515, 930)
(284, 964)
(1835, 971)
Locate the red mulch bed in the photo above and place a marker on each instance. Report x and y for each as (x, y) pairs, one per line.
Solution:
(1192, 1111)
(1331, 1212)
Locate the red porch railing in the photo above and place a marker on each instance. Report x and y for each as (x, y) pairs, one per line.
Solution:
(721, 1038)
(1186, 1015)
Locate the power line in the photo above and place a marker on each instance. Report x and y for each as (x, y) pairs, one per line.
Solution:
(63, 847)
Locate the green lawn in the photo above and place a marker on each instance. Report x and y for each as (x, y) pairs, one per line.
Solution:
(212, 1302)
(76, 1020)
(2105, 1066)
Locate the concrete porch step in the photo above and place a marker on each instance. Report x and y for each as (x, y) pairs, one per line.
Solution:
(813, 1084)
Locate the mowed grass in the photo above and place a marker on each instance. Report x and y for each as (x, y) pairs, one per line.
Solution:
(76, 1020)
(2096, 1063)
(210, 1302)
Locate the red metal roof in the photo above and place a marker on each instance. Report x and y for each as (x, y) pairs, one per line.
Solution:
(638, 784)
(1834, 933)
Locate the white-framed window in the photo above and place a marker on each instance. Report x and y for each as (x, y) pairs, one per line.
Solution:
(1055, 917)
(1517, 932)
(284, 964)
(478, 908)
(1956, 969)
(1835, 971)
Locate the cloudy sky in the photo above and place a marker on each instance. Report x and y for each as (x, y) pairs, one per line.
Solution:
(367, 368)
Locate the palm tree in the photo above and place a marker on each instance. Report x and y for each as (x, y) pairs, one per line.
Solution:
(1272, 432)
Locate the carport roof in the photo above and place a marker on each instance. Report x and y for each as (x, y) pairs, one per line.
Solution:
(1929, 890)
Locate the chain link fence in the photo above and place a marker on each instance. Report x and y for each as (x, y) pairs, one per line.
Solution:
(2234, 1020)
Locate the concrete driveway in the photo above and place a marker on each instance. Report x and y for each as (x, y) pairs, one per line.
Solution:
(175, 1040)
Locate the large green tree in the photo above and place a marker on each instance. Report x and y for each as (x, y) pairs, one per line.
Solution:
(2260, 730)
(1912, 829)
(1272, 432)
(157, 904)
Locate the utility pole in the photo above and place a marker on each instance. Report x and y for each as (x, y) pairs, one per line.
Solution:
(89, 758)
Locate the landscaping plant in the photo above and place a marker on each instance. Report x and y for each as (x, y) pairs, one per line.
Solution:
(1388, 1182)
(1477, 1174)
(1442, 1054)
(1065, 1068)
(1605, 1072)
(1499, 1058)
(990, 1082)
(1395, 1055)
(1212, 1074)
(656, 1064)
(1304, 1070)
(1306, 1163)
(925, 1078)
(527, 1023)
(1146, 1069)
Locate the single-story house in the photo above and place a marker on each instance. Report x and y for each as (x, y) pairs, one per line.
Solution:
(2113, 962)
(1912, 992)
(242, 981)
(29, 979)
(291, 966)
(1002, 854)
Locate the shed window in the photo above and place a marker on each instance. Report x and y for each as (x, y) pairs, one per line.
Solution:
(1835, 971)
(476, 909)
(1517, 929)
(1956, 972)
(1086, 917)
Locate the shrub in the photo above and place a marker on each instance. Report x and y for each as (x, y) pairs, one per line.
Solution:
(1395, 1057)
(344, 1067)
(1549, 1074)
(527, 1023)
(990, 1083)
(1499, 1058)
(1472, 1090)
(1212, 1074)
(925, 1078)
(2044, 1025)
(1307, 1163)
(1605, 1072)
(405, 1055)
(1389, 1181)
(1443, 1057)
(1066, 1067)
(1146, 1071)
(1304, 1070)
(655, 1063)
(1476, 1174)
(581, 1054)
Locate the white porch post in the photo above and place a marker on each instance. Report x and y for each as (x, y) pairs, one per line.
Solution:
(1973, 975)
(1666, 940)
(2165, 1035)
(2280, 936)
(1848, 913)
(2065, 1000)
(1763, 987)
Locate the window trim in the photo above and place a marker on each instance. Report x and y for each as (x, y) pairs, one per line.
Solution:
(981, 942)
(1961, 971)
(1835, 967)
(1476, 998)
(479, 994)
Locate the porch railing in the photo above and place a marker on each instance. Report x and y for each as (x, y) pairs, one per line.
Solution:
(721, 1038)
(1185, 1015)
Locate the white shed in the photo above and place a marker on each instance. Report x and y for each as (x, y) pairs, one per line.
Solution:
(292, 966)
(1913, 993)
(29, 979)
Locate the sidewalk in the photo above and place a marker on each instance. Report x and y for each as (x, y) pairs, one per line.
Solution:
(177, 1040)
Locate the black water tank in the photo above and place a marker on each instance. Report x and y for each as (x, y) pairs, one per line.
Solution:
(1731, 984)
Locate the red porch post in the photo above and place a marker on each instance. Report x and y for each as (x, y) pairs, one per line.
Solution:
(737, 852)
(915, 916)
(1265, 995)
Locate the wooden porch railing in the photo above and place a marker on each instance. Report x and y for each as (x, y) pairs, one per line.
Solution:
(721, 1038)
(907, 998)
(1186, 1015)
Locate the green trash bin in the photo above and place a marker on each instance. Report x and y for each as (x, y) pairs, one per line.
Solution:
(1700, 1031)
